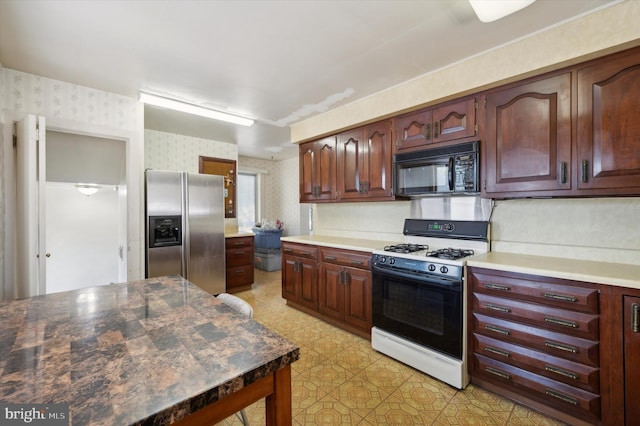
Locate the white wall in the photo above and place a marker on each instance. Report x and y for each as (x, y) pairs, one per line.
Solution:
(83, 237)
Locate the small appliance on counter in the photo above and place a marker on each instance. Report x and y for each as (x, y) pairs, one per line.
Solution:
(185, 228)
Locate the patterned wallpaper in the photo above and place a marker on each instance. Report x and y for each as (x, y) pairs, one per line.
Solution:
(40, 95)
(23, 93)
(280, 199)
(168, 151)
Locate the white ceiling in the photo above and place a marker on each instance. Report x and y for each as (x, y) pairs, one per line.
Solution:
(277, 61)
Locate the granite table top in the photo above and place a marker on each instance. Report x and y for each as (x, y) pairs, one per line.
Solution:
(150, 351)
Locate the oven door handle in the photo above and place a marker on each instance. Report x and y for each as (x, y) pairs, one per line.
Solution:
(455, 285)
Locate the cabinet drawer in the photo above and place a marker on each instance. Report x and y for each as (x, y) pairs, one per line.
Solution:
(562, 370)
(238, 242)
(239, 256)
(569, 399)
(575, 349)
(345, 257)
(300, 250)
(546, 292)
(240, 275)
(562, 320)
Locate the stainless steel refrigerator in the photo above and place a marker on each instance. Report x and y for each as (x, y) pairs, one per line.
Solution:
(185, 227)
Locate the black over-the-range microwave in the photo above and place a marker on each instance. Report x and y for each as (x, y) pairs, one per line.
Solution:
(449, 170)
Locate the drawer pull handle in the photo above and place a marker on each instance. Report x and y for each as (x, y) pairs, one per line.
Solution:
(561, 322)
(288, 250)
(497, 351)
(305, 253)
(497, 308)
(238, 244)
(561, 372)
(330, 258)
(635, 317)
(357, 262)
(500, 287)
(562, 397)
(239, 253)
(239, 271)
(497, 329)
(561, 347)
(560, 297)
(498, 373)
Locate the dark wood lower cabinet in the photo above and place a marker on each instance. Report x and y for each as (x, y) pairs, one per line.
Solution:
(568, 349)
(537, 340)
(239, 263)
(335, 287)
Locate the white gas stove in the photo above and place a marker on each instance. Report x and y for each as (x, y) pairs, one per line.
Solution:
(419, 296)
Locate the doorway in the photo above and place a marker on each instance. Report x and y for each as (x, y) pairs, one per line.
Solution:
(85, 234)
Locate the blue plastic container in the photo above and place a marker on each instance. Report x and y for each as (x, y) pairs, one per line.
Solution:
(267, 238)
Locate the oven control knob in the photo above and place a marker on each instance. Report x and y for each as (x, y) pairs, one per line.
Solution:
(444, 269)
(382, 259)
(392, 261)
(432, 268)
(449, 227)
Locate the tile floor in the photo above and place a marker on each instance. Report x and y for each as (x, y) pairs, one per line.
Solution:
(340, 380)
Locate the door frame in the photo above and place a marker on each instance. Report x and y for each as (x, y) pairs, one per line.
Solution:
(134, 154)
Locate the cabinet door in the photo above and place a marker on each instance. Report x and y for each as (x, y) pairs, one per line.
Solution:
(358, 304)
(528, 137)
(350, 157)
(414, 130)
(608, 126)
(307, 282)
(289, 278)
(331, 291)
(377, 161)
(318, 170)
(454, 121)
(631, 353)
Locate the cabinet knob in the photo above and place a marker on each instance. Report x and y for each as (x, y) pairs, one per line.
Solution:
(635, 317)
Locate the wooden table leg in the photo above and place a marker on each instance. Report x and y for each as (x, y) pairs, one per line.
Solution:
(278, 404)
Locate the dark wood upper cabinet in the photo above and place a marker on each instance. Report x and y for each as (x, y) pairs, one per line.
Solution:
(447, 122)
(608, 135)
(365, 163)
(528, 136)
(318, 170)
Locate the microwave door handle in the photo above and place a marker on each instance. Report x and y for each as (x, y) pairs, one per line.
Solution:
(451, 172)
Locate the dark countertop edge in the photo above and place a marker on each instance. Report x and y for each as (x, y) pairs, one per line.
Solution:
(185, 408)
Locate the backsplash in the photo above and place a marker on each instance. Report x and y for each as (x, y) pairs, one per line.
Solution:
(603, 229)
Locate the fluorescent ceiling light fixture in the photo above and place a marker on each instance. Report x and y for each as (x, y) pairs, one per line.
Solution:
(193, 109)
(88, 188)
(492, 10)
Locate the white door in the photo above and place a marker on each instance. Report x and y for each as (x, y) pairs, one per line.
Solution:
(30, 206)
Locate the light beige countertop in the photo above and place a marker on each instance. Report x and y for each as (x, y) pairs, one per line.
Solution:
(339, 242)
(238, 234)
(618, 274)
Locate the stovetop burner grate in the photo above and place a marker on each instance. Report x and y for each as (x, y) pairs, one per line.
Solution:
(406, 248)
(450, 253)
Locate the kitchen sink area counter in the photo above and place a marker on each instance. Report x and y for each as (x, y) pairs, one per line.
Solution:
(617, 274)
(155, 351)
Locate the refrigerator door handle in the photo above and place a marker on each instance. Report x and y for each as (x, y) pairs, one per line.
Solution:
(186, 238)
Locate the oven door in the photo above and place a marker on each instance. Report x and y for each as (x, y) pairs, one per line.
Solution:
(425, 310)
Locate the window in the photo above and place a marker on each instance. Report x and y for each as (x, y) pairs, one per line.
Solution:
(247, 204)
